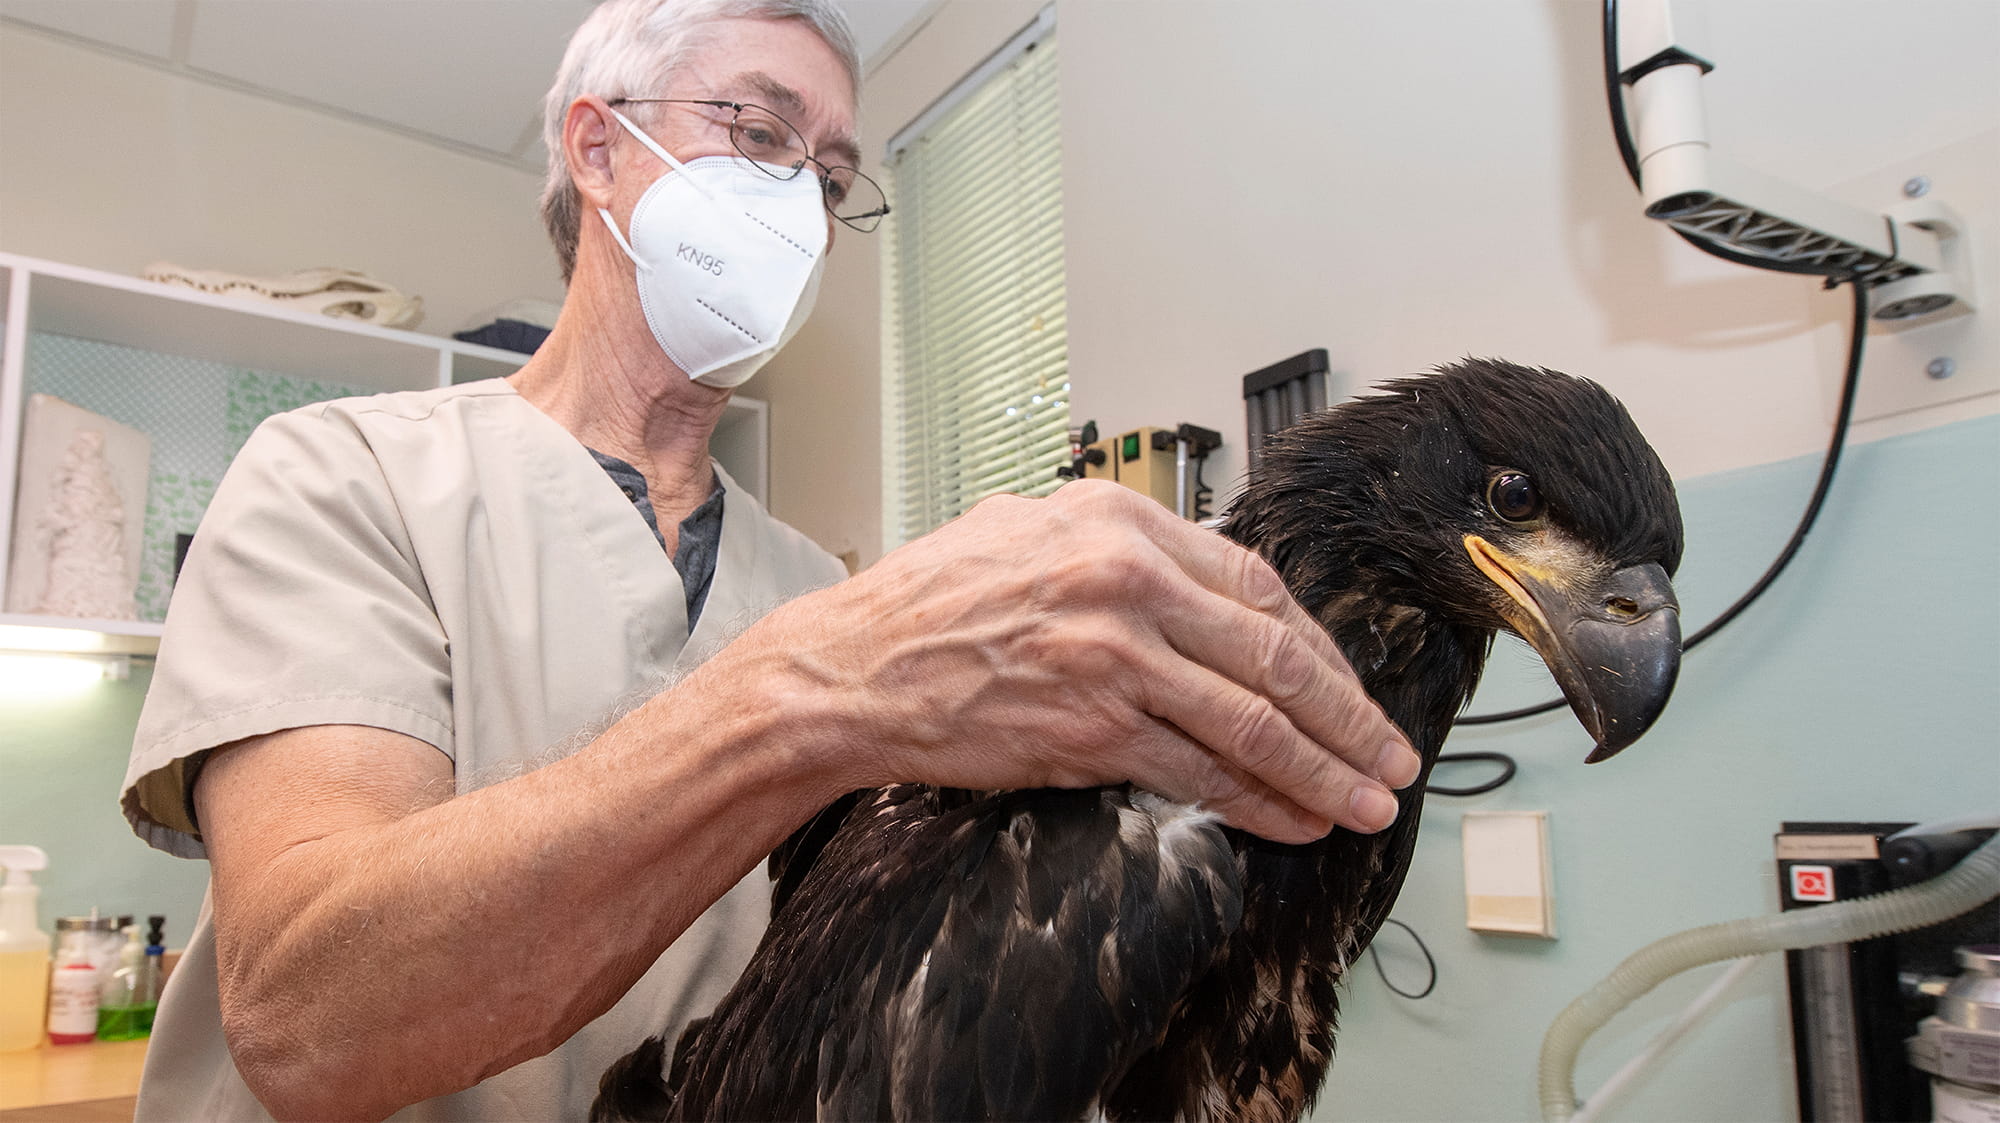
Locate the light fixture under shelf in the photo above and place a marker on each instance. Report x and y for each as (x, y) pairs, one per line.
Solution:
(41, 675)
(64, 635)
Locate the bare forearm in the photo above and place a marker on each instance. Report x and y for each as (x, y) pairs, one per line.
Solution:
(500, 921)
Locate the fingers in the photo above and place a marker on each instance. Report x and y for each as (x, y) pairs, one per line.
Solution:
(1251, 677)
(1287, 661)
(1180, 768)
(1250, 735)
(1231, 570)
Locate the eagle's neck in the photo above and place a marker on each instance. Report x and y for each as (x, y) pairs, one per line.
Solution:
(1356, 560)
(1309, 911)
(1417, 667)
(1420, 669)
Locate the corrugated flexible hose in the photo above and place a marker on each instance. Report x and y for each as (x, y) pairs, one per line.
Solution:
(1967, 885)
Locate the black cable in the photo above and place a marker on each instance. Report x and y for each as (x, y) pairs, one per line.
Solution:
(1856, 341)
(1428, 962)
(1614, 95)
(1507, 770)
(1512, 715)
(1843, 417)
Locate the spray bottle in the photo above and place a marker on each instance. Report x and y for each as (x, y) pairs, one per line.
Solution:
(24, 951)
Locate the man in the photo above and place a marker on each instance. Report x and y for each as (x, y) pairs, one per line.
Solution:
(446, 871)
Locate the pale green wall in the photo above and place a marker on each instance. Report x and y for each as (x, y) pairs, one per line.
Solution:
(1865, 685)
(62, 760)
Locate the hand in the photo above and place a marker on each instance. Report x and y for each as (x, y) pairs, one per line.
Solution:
(1093, 638)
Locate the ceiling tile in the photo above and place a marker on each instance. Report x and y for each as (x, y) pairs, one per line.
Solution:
(466, 70)
(471, 72)
(145, 26)
(877, 22)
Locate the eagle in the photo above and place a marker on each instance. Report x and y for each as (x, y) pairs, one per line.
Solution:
(1069, 954)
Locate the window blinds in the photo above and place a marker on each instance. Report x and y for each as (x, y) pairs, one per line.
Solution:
(976, 389)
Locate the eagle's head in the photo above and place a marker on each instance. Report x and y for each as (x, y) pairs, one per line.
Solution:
(1486, 496)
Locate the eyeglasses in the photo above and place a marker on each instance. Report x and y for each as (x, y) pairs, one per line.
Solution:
(771, 143)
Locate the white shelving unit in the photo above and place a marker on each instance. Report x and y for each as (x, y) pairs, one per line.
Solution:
(48, 297)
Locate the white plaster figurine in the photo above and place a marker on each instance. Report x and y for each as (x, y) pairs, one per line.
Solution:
(85, 522)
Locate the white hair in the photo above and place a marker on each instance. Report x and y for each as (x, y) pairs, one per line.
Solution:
(629, 48)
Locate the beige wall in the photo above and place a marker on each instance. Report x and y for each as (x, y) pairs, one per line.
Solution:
(114, 165)
(1399, 183)
(1404, 184)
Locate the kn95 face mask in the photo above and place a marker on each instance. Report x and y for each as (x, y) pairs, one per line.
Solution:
(728, 260)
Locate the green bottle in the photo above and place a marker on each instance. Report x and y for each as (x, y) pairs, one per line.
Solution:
(125, 1004)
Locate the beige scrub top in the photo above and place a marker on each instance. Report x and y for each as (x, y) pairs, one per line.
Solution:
(453, 565)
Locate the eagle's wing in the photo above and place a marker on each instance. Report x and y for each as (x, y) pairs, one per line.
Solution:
(1005, 958)
(795, 857)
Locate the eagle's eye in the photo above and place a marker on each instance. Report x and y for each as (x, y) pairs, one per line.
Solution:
(1513, 497)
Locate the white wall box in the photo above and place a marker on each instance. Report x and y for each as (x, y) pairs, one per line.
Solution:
(196, 372)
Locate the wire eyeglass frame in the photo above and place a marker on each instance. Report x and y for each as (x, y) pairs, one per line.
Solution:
(840, 186)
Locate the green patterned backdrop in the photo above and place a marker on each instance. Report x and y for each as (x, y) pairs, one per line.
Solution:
(197, 413)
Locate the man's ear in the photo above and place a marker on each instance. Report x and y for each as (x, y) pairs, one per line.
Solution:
(589, 131)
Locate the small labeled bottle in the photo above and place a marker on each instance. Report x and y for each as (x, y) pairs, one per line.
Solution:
(103, 942)
(73, 985)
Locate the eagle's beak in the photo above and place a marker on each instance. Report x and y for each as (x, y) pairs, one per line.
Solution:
(1612, 640)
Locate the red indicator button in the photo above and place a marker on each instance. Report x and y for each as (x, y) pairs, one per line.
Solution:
(1812, 883)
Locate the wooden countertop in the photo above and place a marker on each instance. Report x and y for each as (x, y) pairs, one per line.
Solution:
(34, 1080)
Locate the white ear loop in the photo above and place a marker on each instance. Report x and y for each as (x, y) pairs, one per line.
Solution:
(654, 147)
(622, 243)
(649, 142)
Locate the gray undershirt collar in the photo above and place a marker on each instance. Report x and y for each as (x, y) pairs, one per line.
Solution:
(700, 535)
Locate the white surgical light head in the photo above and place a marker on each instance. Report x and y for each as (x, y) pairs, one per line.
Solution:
(1913, 257)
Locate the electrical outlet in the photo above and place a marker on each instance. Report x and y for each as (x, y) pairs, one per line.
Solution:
(1509, 885)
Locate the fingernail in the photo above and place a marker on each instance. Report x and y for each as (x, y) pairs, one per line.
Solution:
(1397, 765)
(1312, 828)
(1373, 807)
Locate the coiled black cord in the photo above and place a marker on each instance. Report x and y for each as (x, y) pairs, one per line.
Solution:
(1507, 770)
(1428, 962)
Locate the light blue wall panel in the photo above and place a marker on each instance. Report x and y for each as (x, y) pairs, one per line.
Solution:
(197, 413)
(1865, 685)
(62, 760)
